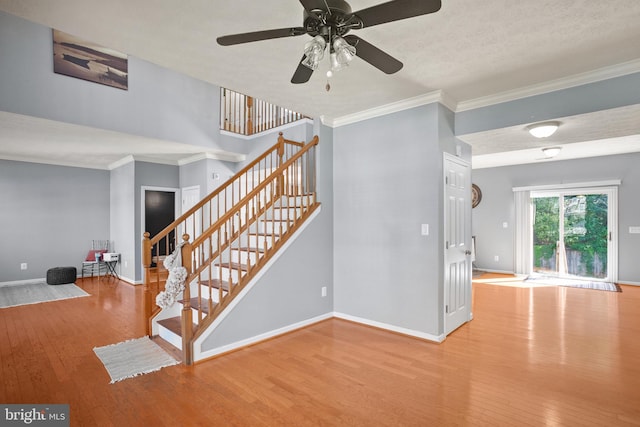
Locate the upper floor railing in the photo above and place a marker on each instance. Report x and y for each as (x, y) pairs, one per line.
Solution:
(245, 115)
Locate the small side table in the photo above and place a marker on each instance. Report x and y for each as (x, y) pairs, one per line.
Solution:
(111, 259)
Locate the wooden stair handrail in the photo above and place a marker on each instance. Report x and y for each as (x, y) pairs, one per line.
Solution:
(238, 206)
(169, 228)
(228, 226)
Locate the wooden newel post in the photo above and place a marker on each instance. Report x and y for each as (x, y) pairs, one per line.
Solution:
(187, 314)
(146, 265)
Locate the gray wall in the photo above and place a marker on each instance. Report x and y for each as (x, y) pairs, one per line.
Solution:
(48, 217)
(290, 291)
(122, 207)
(387, 182)
(497, 205)
(159, 103)
(587, 98)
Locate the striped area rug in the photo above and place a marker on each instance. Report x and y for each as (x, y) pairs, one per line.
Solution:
(574, 283)
(33, 293)
(134, 357)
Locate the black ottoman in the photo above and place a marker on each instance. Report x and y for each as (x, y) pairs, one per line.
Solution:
(61, 275)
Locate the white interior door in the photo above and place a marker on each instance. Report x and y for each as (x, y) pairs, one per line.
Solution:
(193, 225)
(457, 236)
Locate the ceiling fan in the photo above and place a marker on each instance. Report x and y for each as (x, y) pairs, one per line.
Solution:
(328, 22)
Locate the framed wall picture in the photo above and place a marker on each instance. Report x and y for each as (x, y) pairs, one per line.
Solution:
(88, 61)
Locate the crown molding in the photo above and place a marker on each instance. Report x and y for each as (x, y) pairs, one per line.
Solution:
(405, 104)
(224, 156)
(600, 74)
(119, 163)
(29, 159)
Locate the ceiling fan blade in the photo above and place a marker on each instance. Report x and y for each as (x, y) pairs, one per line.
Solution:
(302, 73)
(396, 10)
(374, 56)
(311, 5)
(260, 35)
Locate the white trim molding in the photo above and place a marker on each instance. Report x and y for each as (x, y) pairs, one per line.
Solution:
(393, 328)
(383, 110)
(580, 79)
(570, 185)
(202, 355)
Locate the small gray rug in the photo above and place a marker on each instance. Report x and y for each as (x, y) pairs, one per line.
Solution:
(33, 293)
(574, 283)
(134, 357)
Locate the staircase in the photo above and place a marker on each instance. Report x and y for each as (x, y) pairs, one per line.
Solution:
(228, 238)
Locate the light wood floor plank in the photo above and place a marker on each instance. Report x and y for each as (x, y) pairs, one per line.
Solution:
(531, 357)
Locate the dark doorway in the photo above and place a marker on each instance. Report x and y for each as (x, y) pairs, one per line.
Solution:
(159, 211)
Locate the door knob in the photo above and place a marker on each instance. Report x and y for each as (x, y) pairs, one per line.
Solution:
(467, 252)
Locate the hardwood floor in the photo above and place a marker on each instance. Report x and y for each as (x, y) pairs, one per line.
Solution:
(541, 356)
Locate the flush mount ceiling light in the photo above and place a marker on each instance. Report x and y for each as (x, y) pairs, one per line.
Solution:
(544, 129)
(550, 152)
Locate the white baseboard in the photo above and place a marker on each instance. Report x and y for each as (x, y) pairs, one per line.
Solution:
(201, 355)
(131, 281)
(393, 328)
(627, 282)
(486, 270)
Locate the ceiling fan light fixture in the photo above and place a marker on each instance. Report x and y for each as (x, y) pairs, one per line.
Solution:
(544, 129)
(342, 54)
(314, 52)
(551, 152)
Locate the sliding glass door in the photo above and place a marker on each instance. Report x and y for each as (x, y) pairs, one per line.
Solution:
(572, 233)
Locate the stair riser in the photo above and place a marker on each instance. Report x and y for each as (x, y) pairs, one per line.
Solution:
(288, 213)
(272, 227)
(242, 257)
(257, 241)
(294, 201)
(225, 274)
(204, 289)
(170, 337)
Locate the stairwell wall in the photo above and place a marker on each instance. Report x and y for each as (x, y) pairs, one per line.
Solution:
(289, 293)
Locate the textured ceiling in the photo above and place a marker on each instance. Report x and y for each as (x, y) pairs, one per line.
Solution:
(468, 49)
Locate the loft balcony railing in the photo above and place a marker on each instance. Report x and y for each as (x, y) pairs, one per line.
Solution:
(245, 115)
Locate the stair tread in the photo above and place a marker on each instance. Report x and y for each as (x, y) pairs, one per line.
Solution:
(234, 266)
(174, 324)
(215, 283)
(249, 249)
(195, 303)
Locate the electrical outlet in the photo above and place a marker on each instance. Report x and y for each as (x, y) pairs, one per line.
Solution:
(23, 266)
(126, 264)
(496, 258)
(324, 291)
(424, 230)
